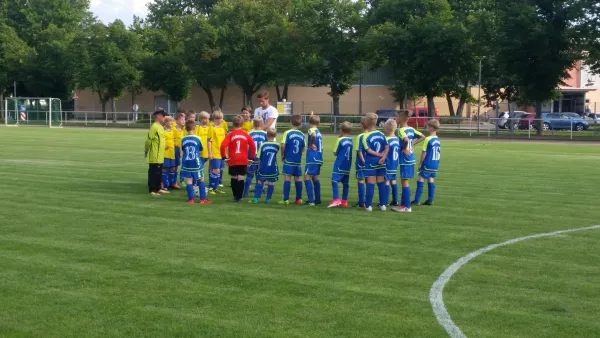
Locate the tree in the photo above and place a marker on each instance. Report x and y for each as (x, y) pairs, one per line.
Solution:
(423, 43)
(159, 10)
(249, 34)
(108, 60)
(13, 54)
(333, 30)
(165, 69)
(538, 41)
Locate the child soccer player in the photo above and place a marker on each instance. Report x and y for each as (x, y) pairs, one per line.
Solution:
(179, 132)
(314, 161)
(341, 167)
(192, 167)
(360, 165)
(238, 145)
(202, 131)
(409, 138)
(246, 113)
(226, 127)
(259, 136)
(268, 170)
(169, 175)
(376, 148)
(216, 135)
(392, 161)
(430, 163)
(292, 147)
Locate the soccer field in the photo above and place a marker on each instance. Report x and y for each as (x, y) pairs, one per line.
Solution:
(85, 251)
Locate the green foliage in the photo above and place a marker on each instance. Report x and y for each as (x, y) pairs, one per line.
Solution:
(159, 10)
(13, 55)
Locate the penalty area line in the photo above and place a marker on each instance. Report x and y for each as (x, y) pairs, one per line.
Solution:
(436, 296)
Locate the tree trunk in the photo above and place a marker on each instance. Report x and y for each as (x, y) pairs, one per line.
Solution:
(114, 109)
(286, 86)
(211, 98)
(336, 104)
(431, 105)
(461, 106)
(450, 104)
(538, 116)
(279, 96)
(222, 97)
(248, 97)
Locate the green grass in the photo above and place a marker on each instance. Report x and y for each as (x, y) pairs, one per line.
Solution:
(86, 252)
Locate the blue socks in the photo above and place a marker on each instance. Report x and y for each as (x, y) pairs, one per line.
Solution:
(383, 193)
(394, 188)
(165, 180)
(298, 190)
(336, 190)
(214, 181)
(361, 194)
(310, 191)
(287, 186)
(249, 178)
(317, 186)
(369, 194)
(431, 192)
(190, 192)
(345, 192)
(172, 178)
(419, 192)
(258, 189)
(406, 197)
(202, 190)
(220, 181)
(270, 191)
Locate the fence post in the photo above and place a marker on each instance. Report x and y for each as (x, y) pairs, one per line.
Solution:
(529, 128)
(106, 120)
(470, 125)
(86, 119)
(571, 129)
(128, 119)
(489, 130)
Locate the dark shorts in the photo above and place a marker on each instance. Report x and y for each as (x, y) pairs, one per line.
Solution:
(238, 170)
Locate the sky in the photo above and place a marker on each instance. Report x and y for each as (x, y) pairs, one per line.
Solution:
(110, 10)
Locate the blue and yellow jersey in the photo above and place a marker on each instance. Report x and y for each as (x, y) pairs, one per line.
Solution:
(170, 144)
(216, 135)
(223, 124)
(179, 134)
(314, 156)
(267, 155)
(343, 155)
(202, 132)
(192, 147)
(407, 137)
(376, 141)
(259, 137)
(433, 149)
(294, 146)
(247, 126)
(393, 158)
(359, 149)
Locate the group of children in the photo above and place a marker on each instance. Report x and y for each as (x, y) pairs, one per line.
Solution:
(252, 154)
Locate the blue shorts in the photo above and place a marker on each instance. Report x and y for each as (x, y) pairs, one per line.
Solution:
(169, 163)
(375, 171)
(292, 170)
(204, 160)
(407, 171)
(216, 163)
(427, 174)
(177, 156)
(312, 169)
(341, 178)
(252, 168)
(360, 174)
(391, 176)
(269, 179)
(194, 175)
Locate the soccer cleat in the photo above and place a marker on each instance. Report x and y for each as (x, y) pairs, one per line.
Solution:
(219, 191)
(163, 191)
(253, 201)
(298, 202)
(415, 203)
(402, 209)
(393, 204)
(191, 202)
(335, 203)
(358, 205)
(220, 186)
(368, 209)
(268, 202)
(382, 208)
(154, 194)
(318, 202)
(206, 202)
(428, 203)
(344, 204)
(212, 192)
(175, 186)
(284, 202)
(309, 204)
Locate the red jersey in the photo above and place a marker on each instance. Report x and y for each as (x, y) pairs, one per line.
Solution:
(239, 144)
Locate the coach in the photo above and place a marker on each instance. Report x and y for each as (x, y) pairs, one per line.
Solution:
(155, 153)
(268, 113)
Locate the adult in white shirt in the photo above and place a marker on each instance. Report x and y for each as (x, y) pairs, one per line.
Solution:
(268, 113)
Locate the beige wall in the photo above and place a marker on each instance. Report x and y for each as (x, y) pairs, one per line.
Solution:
(305, 99)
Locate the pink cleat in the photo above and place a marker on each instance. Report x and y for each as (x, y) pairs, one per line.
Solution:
(335, 203)
(344, 204)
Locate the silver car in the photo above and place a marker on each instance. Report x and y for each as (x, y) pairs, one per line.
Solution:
(593, 118)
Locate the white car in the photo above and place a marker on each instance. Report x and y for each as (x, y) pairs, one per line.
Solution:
(593, 118)
(505, 119)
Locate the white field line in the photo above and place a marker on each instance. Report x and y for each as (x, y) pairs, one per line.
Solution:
(436, 297)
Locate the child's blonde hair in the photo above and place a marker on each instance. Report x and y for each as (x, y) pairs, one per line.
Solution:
(404, 113)
(271, 133)
(216, 109)
(370, 120)
(204, 115)
(346, 127)
(314, 120)
(258, 122)
(433, 124)
(218, 114)
(169, 121)
(390, 124)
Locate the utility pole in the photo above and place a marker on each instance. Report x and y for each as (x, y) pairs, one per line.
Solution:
(479, 96)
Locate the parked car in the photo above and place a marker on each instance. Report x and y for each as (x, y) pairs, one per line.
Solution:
(418, 116)
(505, 119)
(527, 122)
(593, 118)
(567, 121)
